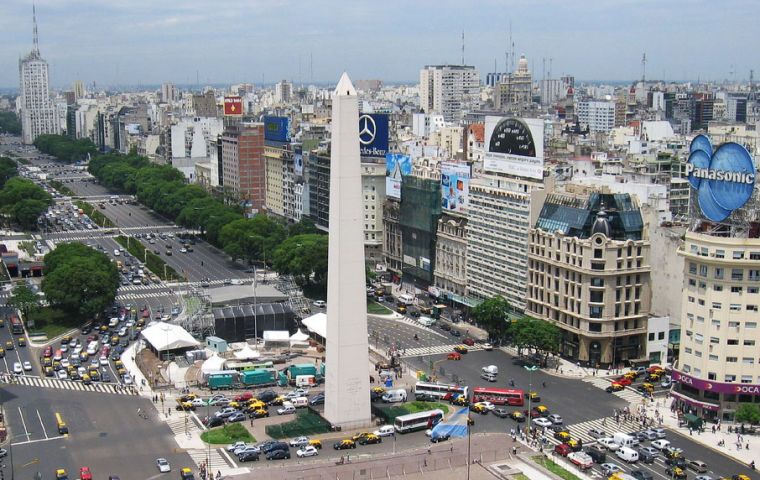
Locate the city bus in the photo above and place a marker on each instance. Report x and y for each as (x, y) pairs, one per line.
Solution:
(499, 396)
(442, 391)
(417, 421)
(16, 325)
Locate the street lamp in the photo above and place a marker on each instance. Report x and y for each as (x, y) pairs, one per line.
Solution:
(530, 383)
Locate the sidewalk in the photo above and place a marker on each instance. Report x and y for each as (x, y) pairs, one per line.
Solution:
(732, 448)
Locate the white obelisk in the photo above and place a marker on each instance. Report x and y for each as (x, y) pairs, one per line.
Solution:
(347, 364)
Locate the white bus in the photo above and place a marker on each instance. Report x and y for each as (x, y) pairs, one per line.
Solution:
(426, 321)
(442, 391)
(418, 421)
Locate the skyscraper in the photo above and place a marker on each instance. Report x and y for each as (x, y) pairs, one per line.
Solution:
(448, 89)
(38, 115)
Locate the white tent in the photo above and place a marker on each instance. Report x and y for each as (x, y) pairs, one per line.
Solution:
(317, 324)
(164, 336)
(299, 339)
(246, 353)
(214, 363)
(276, 336)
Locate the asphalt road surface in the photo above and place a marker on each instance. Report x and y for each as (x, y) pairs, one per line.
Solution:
(105, 433)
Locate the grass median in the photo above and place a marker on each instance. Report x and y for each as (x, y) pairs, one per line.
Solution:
(375, 308)
(230, 433)
(554, 467)
(305, 423)
(153, 262)
(51, 322)
(95, 214)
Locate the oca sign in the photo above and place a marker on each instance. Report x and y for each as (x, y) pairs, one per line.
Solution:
(724, 179)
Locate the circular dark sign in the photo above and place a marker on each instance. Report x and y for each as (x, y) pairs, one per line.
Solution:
(513, 137)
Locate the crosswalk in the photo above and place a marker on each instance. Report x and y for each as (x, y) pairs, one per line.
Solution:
(605, 424)
(44, 382)
(627, 394)
(435, 350)
(187, 426)
(80, 237)
(137, 296)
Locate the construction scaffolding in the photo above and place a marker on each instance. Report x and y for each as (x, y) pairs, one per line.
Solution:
(198, 318)
(298, 303)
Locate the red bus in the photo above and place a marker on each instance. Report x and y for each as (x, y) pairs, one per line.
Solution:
(499, 396)
(16, 325)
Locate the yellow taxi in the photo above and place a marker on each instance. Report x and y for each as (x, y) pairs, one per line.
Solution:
(188, 397)
(478, 408)
(575, 445)
(186, 474)
(562, 436)
(534, 397)
(185, 406)
(118, 364)
(615, 387)
(46, 362)
(256, 404)
(9, 345)
(461, 349)
(86, 379)
(631, 375)
(461, 400)
(676, 472)
(740, 477)
(378, 390)
(645, 387)
(359, 436)
(344, 444)
(517, 416)
(541, 409)
(84, 356)
(22, 341)
(60, 474)
(315, 443)
(232, 404)
(259, 413)
(370, 439)
(2, 352)
(401, 309)
(277, 401)
(49, 372)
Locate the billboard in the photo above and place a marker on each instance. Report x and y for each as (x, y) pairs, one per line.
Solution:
(298, 162)
(233, 107)
(455, 186)
(397, 166)
(724, 179)
(373, 134)
(515, 146)
(276, 129)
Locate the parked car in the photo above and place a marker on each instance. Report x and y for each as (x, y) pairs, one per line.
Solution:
(307, 451)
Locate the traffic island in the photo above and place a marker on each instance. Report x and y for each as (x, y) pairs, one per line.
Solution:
(228, 434)
(307, 422)
(153, 262)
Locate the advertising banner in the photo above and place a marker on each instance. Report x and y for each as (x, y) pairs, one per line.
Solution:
(397, 166)
(233, 106)
(373, 134)
(718, 387)
(455, 186)
(515, 146)
(276, 129)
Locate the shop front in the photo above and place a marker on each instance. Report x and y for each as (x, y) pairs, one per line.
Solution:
(712, 400)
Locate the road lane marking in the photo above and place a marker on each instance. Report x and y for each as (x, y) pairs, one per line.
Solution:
(26, 432)
(42, 424)
(39, 440)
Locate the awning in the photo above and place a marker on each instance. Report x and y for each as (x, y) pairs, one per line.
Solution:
(317, 324)
(164, 336)
(696, 403)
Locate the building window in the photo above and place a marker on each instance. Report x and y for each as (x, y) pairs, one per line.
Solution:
(651, 336)
(692, 282)
(713, 357)
(735, 307)
(729, 378)
(748, 360)
(718, 288)
(754, 275)
(749, 343)
(703, 270)
(737, 274)
(598, 253)
(717, 305)
(732, 341)
(738, 254)
(736, 289)
(597, 282)
(661, 336)
(687, 368)
(754, 255)
(692, 268)
(691, 299)
(714, 340)
(594, 327)
(597, 266)
(712, 375)
(596, 311)
(687, 350)
(720, 253)
(718, 273)
(752, 308)
(750, 325)
(753, 289)
(746, 378)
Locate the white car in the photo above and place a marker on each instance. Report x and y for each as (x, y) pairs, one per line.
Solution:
(320, 303)
(163, 465)
(286, 410)
(236, 445)
(487, 347)
(307, 451)
(660, 444)
(103, 360)
(27, 366)
(542, 422)
(608, 443)
(127, 379)
(198, 402)
(17, 369)
(237, 281)
(487, 405)
(183, 250)
(660, 432)
(62, 375)
(65, 363)
(555, 419)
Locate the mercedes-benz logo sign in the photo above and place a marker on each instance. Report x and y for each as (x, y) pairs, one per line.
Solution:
(367, 129)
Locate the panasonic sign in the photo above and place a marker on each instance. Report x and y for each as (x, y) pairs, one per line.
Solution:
(724, 178)
(720, 175)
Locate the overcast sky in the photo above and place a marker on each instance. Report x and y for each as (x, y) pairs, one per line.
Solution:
(122, 42)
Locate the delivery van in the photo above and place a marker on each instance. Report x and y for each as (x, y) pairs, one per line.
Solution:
(406, 299)
(394, 396)
(305, 380)
(490, 369)
(489, 377)
(627, 454)
(624, 440)
(300, 402)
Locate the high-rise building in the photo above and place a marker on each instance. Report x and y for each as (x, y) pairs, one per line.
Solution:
(205, 104)
(38, 113)
(596, 115)
(515, 91)
(283, 91)
(243, 163)
(588, 272)
(79, 90)
(168, 92)
(448, 90)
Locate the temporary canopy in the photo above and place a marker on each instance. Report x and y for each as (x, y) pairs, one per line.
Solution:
(247, 353)
(317, 324)
(213, 364)
(276, 336)
(164, 336)
(299, 339)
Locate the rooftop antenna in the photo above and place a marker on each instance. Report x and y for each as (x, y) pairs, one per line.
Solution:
(644, 67)
(311, 66)
(543, 69)
(462, 47)
(506, 61)
(550, 67)
(35, 37)
(512, 45)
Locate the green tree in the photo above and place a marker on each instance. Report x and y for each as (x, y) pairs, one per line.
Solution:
(747, 413)
(493, 316)
(79, 279)
(9, 123)
(26, 213)
(24, 202)
(304, 257)
(24, 299)
(8, 170)
(538, 335)
(252, 239)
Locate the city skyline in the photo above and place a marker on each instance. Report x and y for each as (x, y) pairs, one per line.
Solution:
(179, 42)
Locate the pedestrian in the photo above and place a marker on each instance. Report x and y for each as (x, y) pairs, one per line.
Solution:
(251, 422)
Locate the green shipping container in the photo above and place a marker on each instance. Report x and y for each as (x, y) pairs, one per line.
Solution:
(220, 380)
(258, 377)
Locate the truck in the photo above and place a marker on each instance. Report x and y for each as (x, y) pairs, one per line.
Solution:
(298, 369)
(258, 377)
(221, 380)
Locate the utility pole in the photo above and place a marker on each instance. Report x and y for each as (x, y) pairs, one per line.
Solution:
(462, 47)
